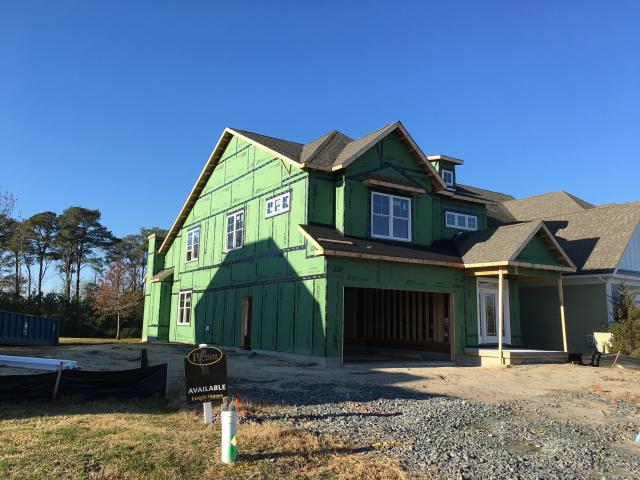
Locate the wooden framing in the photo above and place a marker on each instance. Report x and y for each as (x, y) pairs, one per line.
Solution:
(399, 319)
(500, 313)
(376, 182)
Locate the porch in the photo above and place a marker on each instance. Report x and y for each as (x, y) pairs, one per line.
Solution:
(498, 339)
(495, 262)
(486, 357)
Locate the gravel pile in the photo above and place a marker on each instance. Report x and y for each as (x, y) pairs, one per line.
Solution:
(447, 437)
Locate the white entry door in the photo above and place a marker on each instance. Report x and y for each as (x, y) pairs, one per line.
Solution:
(488, 312)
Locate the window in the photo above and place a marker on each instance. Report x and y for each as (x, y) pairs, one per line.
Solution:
(193, 244)
(235, 230)
(184, 308)
(390, 216)
(447, 176)
(461, 221)
(278, 205)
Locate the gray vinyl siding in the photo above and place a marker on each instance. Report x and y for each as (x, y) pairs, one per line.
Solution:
(585, 313)
(630, 261)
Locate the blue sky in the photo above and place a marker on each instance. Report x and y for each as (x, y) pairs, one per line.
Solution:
(116, 105)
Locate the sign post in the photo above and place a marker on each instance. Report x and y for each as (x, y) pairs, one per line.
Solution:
(206, 406)
(205, 372)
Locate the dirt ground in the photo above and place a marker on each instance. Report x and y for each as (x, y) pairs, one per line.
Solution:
(530, 383)
(555, 405)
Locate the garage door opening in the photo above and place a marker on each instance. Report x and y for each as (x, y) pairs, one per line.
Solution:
(390, 325)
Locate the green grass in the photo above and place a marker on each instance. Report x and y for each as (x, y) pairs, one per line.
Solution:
(162, 439)
(95, 341)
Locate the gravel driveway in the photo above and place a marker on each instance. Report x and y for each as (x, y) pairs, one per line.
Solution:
(441, 436)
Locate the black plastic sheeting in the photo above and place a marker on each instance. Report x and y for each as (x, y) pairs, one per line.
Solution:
(95, 385)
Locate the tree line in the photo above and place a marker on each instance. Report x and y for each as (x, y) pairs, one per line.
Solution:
(75, 245)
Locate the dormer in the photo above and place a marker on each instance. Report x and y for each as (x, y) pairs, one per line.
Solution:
(446, 167)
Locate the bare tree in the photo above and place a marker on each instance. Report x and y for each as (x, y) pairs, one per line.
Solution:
(113, 295)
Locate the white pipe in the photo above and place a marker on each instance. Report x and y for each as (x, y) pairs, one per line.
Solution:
(229, 420)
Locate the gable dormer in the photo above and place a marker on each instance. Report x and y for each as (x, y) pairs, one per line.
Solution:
(446, 167)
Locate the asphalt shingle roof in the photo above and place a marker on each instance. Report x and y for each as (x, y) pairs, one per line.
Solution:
(495, 244)
(333, 242)
(330, 150)
(324, 151)
(544, 206)
(596, 238)
(291, 150)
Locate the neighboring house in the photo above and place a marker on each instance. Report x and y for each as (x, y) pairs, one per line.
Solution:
(343, 246)
(604, 244)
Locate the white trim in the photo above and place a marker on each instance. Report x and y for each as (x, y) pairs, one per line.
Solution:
(187, 249)
(179, 318)
(391, 236)
(445, 158)
(273, 200)
(235, 234)
(458, 215)
(482, 339)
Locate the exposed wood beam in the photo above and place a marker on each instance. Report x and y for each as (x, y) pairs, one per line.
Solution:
(561, 300)
(500, 314)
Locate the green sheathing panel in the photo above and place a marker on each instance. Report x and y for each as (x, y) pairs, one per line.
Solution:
(471, 311)
(154, 302)
(445, 165)
(441, 205)
(390, 158)
(275, 267)
(149, 324)
(514, 311)
(346, 272)
(537, 251)
(322, 198)
(585, 313)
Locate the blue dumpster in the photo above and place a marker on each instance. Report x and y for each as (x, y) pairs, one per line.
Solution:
(19, 329)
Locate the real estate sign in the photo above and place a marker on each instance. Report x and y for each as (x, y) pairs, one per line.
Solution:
(205, 372)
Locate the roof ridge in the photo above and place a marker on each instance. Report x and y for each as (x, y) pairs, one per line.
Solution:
(329, 136)
(535, 196)
(580, 201)
(464, 185)
(635, 203)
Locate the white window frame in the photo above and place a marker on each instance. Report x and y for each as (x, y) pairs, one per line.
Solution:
(235, 231)
(182, 299)
(190, 248)
(452, 183)
(456, 216)
(391, 236)
(273, 202)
